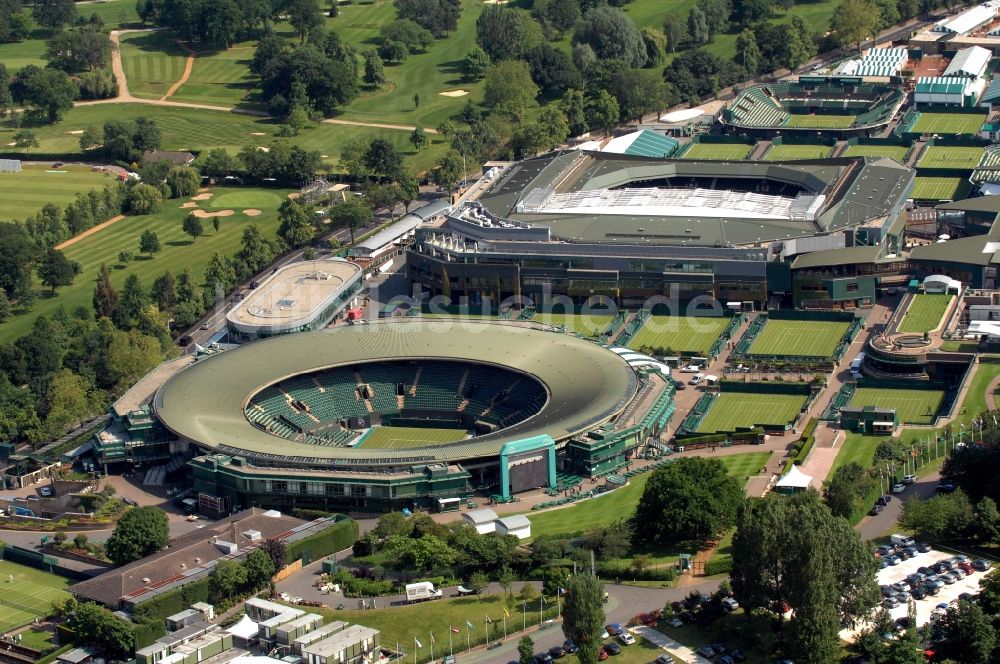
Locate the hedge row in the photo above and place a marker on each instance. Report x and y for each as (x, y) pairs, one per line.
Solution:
(805, 442)
(614, 570)
(337, 537)
(174, 601)
(722, 565)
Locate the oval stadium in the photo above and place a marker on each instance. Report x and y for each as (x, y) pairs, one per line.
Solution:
(404, 413)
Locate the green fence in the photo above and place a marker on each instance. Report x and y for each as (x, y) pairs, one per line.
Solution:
(337, 537)
(16, 554)
(765, 388)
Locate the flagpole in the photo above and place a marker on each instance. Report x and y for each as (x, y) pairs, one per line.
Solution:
(414, 650)
(505, 625)
(541, 605)
(432, 647)
(451, 649)
(524, 610)
(468, 641)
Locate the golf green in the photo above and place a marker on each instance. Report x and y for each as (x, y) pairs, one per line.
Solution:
(245, 199)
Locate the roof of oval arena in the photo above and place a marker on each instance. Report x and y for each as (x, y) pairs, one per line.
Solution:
(587, 384)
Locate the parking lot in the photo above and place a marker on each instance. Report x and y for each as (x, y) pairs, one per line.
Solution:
(947, 594)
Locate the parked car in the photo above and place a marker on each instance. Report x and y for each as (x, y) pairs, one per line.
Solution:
(613, 629)
(706, 652)
(691, 368)
(613, 648)
(449, 659)
(696, 379)
(626, 639)
(887, 590)
(602, 655)
(898, 488)
(542, 658)
(967, 567)
(664, 659)
(890, 602)
(900, 586)
(645, 619)
(730, 604)
(893, 559)
(876, 509)
(45, 491)
(569, 646)
(675, 622)
(926, 571)
(958, 572)
(967, 597)
(680, 385)
(884, 500)
(981, 565)
(919, 593)
(931, 589)
(923, 547)
(738, 655)
(555, 652)
(945, 487)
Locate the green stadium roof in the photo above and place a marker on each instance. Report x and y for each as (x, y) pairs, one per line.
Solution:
(992, 93)
(650, 144)
(833, 257)
(587, 385)
(941, 85)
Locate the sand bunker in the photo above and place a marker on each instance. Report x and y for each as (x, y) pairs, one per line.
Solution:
(189, 204)
(12, 144)
(292, 196)
(455, 93)
(494, 2)
(202, 197)
(75, 132)
(263, 149)
(257, 133)
(252, 212)
(204, 214)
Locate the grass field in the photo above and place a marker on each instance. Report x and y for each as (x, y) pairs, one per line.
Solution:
(788, 152)
(586, 325)
(202, 130)
(924, 313)
(957, 157)
(897, 152)
(178, 252)
(939, 189)
(18, 55)
(912, 406)
(680, 334)
(948, 123)
(720, 151)
(23, 194)
(152, 61)
(221, 79)
(245, 198)
(798, 337)
(31, 594)
(820, 121)
(620, 503)
(400, 437)
(745, 409)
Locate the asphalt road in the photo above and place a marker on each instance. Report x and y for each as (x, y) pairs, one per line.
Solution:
(871, 527)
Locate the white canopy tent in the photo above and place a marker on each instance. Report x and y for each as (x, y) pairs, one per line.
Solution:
(794, 480)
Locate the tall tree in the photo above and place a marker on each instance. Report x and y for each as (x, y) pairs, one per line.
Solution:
(847, 490)
(140, 532)
(854, 21)
(192, 226)
(295, 223)
(747, 52)
(131, 303)
(56, 270)
(583, 615)
(509, 90)
(165, 291)
(698, 26)
(105, 294)
(374, 69)
(500, 32)
(149, 242)
(352, 214)
(612, 35)
(475, 63)
(525, 650)
(53, 14)
(260, 568)
(305, 16)
(418, 138)
(967, 635)
(675, 31)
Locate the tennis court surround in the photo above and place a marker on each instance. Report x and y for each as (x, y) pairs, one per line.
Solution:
(912, 406)
(799, 337)
(731, 410)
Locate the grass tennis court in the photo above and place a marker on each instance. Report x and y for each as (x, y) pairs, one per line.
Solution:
(744, 409)
(948, 123)
(897, 152)
(30, 594)
(942, 156)
(586, 325)
(820, 121)
(719, 151)
(939, 189)
(401, 437)
(912, 406)
(789, 152)
(924, 313)
(799, 337)
(679, 334)
(25, 193)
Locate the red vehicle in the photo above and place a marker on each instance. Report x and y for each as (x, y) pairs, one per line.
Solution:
(645, 619)
(601, 655)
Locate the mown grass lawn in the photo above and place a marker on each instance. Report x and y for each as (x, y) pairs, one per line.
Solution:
(221, 79)
(792, 152)
(178, 252)
(947, 156)
(153, 61)
(732, 410)
(719, 151)
(23, 194)
(939, 189)
(798, 337)
(897, 152)
(924, 313)
(912, 406)
(679, 334)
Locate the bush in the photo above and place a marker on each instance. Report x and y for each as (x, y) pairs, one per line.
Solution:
(719, 566)
(622, 569)
(805, 442)
(336, 537)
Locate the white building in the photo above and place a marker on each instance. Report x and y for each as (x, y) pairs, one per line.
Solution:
(517, 525)
(484, 520)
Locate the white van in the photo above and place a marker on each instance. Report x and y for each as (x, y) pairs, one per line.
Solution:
(697, 378)
(856, 365)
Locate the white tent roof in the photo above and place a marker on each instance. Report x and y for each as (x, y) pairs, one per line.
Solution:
(682, 115)
(970, 62)
(794, 479)
(245, 628)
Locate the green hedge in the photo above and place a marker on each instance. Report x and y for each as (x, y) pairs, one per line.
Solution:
(703, 438)
(336, 537)
(722, 565)
(172, 601)
(148, 632)
(805, 442)
(620, 569)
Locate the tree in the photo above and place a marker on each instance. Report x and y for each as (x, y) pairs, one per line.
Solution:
(438, 16)
(847, 490)
(500, 32)
(525, 650)
(305, 16)
(53, 14)
(165, 291)
(475, 63)
(656, 46)
(94, 625)
(192, 226)
(691, 500)
(987, 521)
(612, 35)
(552, 70)
(131, 304)
(217, 163)
(14, 25)
(967, 634)
(854, 21)
(675, 31)
(295, 223)
(79, 50)
(5, 308)
(226, 581)
(509, 90)
(408, 189)
(105, 295)
(256, 252)
(807, 39)
(277, 550)
(716, 14)
(478, 581)
(125, 256)
(374, 69)
(408, 33)
(144, 199)
(24, 139)
(418, 137)
(216, 223)
(941, 518)
(259, 568)
(142, 531)
(90, 138)
(149, 242)
(583, 615)
(602, 111)
(747, 51)
(794, 550)
(80, 541)
(220, 276)
(56, 270)
(69, 399)
(352, 214)
(47, 93)
(382, 159)
(449, 170)
(698, 26)
(746, 12)
(183, 181)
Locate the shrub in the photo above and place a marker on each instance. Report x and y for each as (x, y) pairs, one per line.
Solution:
(719, 566)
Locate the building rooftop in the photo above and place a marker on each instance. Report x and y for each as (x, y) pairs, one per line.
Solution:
(515, 521)
(293, 296)
(586, 384)
(833, 257)
(969, 62)
(485, 515)
(939, 85)
(142, 392)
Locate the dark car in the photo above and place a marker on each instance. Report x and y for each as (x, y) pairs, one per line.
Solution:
(542, 658)
(738, 655)
(945, 487)
(614, 629)
(886, 590)
(612, 648)
(680, 385)
(967, 597)
(923, 547)
(981, 565)
(184, 341)
(884, 500)
(919, 593)
(569, 646)
(876, 509)
(931, 589)
(718, 647)
(926, 571)
(555, 652)
(706, 652)
(725, 659)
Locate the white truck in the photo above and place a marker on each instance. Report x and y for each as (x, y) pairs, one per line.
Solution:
(417, 592)
(902, 540)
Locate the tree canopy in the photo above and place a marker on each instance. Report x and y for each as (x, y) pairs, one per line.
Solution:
(140, 532)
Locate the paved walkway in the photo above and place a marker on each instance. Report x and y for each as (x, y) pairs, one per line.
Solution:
(660, 639)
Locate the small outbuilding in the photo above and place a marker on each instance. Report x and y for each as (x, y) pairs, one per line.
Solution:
(517, 525)
(484, 520)
(794, 481)
(940, 283)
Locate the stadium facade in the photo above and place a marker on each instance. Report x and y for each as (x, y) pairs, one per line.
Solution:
(580, 224)
(297, 420)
